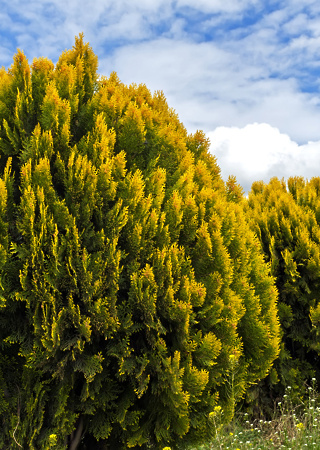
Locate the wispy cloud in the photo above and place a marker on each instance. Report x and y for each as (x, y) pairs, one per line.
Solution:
(222, 63)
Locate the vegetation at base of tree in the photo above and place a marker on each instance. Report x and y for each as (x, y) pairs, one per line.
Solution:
(134, 297)
(292, 426)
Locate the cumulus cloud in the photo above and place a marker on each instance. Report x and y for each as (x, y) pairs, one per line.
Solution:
(260, 152)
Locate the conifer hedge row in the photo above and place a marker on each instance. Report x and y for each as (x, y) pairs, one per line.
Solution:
(134, 296)
(286, 218)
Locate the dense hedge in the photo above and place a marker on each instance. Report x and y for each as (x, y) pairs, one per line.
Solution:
(286, 218)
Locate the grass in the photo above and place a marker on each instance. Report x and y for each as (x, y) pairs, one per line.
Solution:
(293, 427)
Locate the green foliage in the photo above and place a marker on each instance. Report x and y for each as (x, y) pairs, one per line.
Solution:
(130, 281)
(285, 217)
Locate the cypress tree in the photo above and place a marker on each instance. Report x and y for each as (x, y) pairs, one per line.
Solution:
(134, 297)
(285, 216)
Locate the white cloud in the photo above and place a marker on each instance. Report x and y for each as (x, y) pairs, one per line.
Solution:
(296, 24)
(260, 152)
(218, 6)
(129, 26)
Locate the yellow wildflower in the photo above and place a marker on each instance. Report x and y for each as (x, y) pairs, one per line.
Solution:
(300, 426)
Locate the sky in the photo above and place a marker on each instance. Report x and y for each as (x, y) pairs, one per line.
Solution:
(247, 72)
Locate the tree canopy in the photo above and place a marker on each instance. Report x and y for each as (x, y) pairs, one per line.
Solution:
(132, 288)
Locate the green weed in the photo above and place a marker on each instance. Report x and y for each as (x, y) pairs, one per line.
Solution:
(293, 427)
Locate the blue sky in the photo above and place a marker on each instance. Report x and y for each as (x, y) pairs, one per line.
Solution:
(245, 71)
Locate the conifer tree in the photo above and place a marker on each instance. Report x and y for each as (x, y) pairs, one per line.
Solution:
(132, 289)
(286, 219)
